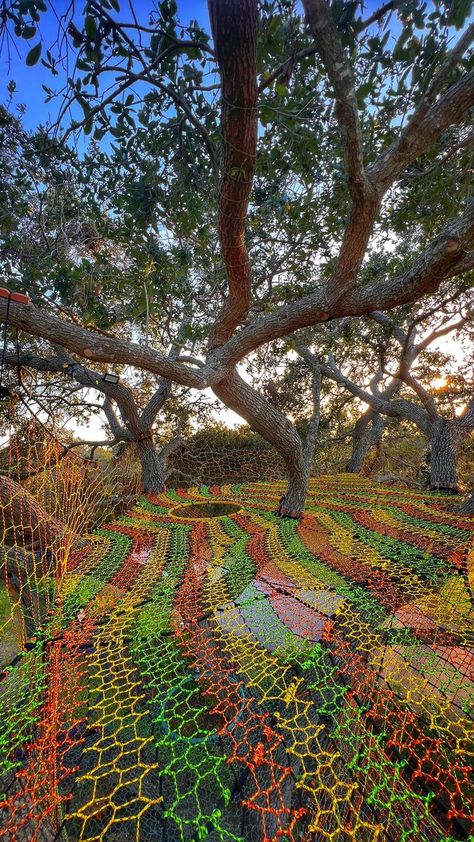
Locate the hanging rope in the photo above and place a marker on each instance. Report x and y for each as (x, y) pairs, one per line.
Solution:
(5, 392)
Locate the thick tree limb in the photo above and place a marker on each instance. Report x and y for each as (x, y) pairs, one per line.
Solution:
(435, 264)
(162, 393)
(365, 201)
(156, 402)
(367, 189)
(96, 346)
(234, 28)
(284, 69)
(118, 392)
(425, 398)
(64, 364)
(339, 71)
(24, 520)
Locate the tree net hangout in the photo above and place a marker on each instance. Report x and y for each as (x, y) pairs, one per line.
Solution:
(201, 669)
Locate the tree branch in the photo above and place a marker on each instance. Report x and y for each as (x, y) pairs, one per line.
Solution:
(234, 28)
(119, 432)
(338, 68)
(425, 398)
(429, 119)
(436, 263)
(151, 410)
(398, 408)
(96, 346)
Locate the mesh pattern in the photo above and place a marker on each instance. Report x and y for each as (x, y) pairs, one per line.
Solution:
(247, 678)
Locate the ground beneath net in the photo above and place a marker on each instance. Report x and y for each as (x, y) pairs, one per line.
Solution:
(214, 672)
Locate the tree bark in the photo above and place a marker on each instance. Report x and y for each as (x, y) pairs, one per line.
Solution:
(235, 29)
(443, 445)
(153, 466)
(275, 428)
(313, 428)
(294, 498)
(360, 442)
(367, 433)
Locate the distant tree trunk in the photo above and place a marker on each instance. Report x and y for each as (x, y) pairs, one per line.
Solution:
(443, 446)
(360, 443)
(375, 445)
(275, 428)
(367, 433)
(153, 466)
(313, 427)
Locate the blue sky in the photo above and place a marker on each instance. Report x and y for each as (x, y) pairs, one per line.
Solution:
(30, 79)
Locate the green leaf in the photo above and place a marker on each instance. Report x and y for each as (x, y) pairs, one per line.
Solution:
(84, 104)
(34, 55)
(29, 32)
(460, 10)
(362, 92)
(281, 90)
(90, 27)
(399, 48)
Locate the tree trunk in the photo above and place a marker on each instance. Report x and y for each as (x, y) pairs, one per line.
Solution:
(375, 445)
(275, 428)
(153, 467)
(293, 500)
(367, 433)
(313, 428)
(360, 443)
(443, 457)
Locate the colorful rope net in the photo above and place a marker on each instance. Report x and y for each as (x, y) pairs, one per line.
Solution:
(213, 672)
